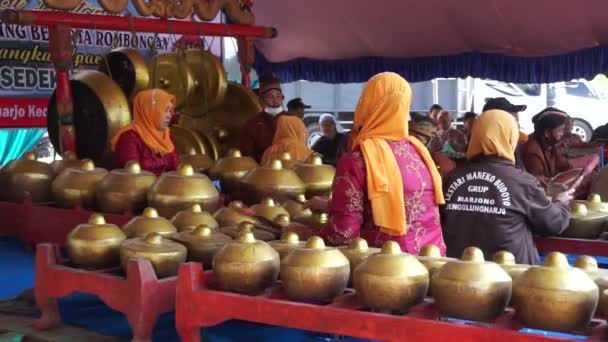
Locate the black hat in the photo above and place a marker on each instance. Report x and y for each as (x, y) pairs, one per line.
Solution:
(297, 103)
(503, 104)
(549, 118)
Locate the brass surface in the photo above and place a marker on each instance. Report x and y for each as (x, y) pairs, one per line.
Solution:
(148, 222)
(230, 169)
(226, 121)
(164, 255)
(187, 140)
(125, 189)
(178, 190)
(599, 276)
(315, 272)
(74, 186)
(202, 243)
(356, 252)
(268, 209)
(506, 260)
(317, 177)
(246, 265)
(271, 181)
(26, 175)
(430, 257)
(297, 207)
(100, 108)
(192, 218)
(232, 214)
(171, 73)
(555, 296)
(95, 244)
(288, 242)
(391, 280)
(243, 227)
(200, 162)
(471, 288)
(69, 159)
(586, 223)
(128, 68)
(210, 83)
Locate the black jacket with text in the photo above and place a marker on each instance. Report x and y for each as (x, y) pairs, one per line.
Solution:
(493, 205)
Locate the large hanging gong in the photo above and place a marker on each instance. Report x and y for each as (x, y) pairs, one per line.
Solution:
(170, 72)
(100, 110)
(128, 68)
(225, 123)
(210, 82)
(188, 139)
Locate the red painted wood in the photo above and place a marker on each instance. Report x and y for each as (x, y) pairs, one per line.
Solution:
(35, 223)
(199, 305)
(125, 23)
(140, 296)
(573, 246)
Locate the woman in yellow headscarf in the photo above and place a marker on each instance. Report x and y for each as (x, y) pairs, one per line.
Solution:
(147, 139)
(290, 137)
(494, 205)
(387, 187)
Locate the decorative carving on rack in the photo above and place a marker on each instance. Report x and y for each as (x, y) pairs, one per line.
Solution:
(239, 11)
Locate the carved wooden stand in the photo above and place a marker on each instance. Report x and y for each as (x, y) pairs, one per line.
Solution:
(140, 296)
(198, 304)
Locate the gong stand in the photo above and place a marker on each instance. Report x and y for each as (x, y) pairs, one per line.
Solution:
(60, 24)
(199, 303)
(594, 248)
(140, 296)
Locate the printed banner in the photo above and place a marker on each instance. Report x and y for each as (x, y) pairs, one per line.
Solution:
(23, 112)
(26, 71)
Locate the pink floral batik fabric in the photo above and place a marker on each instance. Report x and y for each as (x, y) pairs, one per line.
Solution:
(350, 209)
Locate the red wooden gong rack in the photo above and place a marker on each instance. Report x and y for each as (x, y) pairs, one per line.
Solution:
(34, 223)
(140, 295)
(200, 304)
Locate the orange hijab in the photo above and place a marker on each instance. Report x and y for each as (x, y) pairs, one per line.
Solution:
(290, 137)
(148, 109)
(382, 114)
(495, 133)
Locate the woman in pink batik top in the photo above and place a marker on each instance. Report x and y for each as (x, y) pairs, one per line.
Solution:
(387, 187)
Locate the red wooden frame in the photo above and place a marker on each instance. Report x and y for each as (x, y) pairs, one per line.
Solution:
(36, 224)
(199, 305)
(140, 296)
(572, 246)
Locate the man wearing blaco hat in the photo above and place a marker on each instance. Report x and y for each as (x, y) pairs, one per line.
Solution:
(258, 131)
(296, 107)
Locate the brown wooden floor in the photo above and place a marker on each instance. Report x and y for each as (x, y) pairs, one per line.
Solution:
(15, 328)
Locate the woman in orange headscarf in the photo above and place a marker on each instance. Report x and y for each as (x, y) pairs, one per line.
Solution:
(147, 139)
(494, 205)
(387, 187)
(290, 137)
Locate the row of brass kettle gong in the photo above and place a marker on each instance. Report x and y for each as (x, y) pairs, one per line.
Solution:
(553, 296)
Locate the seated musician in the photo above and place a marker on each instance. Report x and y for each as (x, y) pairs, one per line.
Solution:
(424, 129)
(147, 140)
(290, 137)
(492, 204)
(386, 186)
(542, 154)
